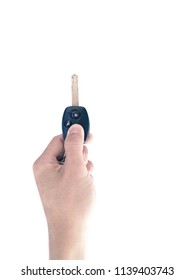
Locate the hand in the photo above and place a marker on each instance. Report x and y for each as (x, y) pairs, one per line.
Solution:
(67, 193)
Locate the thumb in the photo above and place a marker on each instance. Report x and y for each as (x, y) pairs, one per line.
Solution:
(74, 143)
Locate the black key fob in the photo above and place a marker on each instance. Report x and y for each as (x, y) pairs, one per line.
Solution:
(75, 115)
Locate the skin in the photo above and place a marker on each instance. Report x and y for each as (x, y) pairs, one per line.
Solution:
(67, 193)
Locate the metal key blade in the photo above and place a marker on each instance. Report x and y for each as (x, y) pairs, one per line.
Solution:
(75, 92)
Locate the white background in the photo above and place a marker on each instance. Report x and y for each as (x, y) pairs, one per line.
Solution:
(136, 66)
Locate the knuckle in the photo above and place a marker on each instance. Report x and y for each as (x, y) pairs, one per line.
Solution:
(55, 138)
(74, 139)
(36, 166)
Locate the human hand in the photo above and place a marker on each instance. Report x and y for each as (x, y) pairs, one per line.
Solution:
(67, 193)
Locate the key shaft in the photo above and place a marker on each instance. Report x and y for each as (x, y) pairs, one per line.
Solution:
(75, 92)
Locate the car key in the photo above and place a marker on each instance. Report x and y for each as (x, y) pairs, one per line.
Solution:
(75, 114)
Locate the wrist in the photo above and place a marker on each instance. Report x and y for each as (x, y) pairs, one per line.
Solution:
(67, 244)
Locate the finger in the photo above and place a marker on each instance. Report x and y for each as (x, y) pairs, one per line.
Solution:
(74, 144)
(85, 154)
(89, 138)
(53, 150)
(90, 166)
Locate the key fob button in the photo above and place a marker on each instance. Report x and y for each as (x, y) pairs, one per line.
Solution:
(67, 123)
(75, 114)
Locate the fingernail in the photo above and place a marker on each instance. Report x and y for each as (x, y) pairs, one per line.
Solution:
(74, 129)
